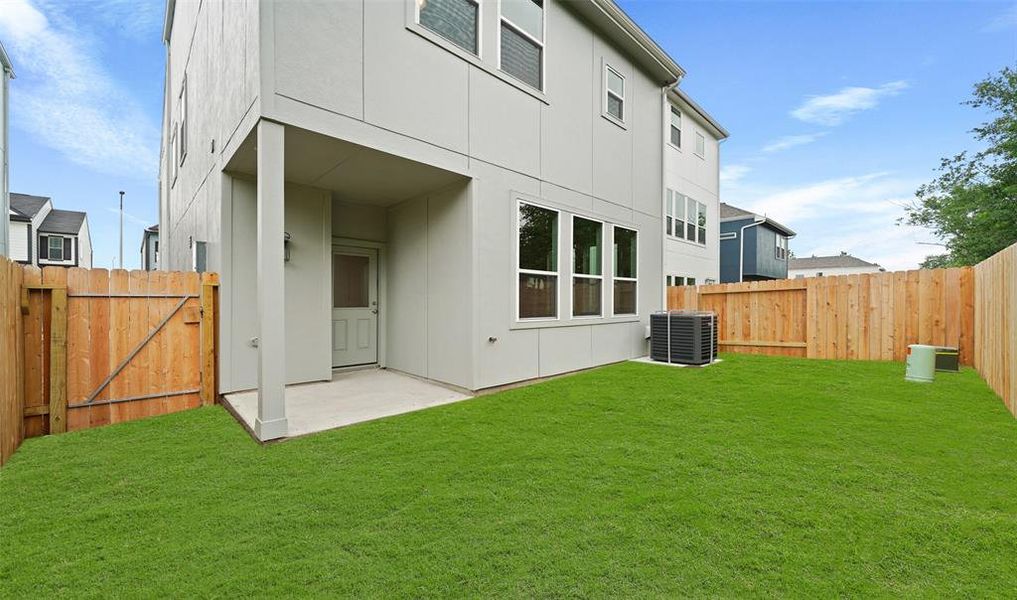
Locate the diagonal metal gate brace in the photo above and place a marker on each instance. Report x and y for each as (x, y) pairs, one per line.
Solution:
(127, 360)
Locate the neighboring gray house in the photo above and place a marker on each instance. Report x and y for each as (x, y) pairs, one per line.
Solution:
(469, 192)
(752, 247)
(838, 264)
(150, 248)
(6, 74)
(43, 236)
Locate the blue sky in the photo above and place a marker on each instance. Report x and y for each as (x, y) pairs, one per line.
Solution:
(837, 111)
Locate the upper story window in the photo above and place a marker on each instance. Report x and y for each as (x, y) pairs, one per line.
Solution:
(676, 127)
(781, 249)
(182, 135)
(521, 47)
(625, 261)
(614, 93)
(700, 145)
(56, 248)
(686, 218)
(454, 20)
(174, 165)
(537, 262)
(587, 267)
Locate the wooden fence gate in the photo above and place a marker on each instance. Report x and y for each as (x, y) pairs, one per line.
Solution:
(103, 346)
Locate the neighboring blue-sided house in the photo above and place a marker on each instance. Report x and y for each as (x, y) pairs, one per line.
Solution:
(752, 247)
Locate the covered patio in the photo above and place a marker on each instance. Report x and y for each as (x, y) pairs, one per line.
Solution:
(328, 251)
(353, 396)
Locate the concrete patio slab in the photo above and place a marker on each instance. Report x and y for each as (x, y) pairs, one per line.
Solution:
(351, 397)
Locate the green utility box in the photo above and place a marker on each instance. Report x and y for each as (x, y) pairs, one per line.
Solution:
(947, 359)
(921, 363)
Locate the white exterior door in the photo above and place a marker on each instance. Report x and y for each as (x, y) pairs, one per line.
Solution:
(354, 306)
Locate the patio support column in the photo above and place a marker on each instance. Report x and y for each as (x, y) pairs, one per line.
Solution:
(271, 422)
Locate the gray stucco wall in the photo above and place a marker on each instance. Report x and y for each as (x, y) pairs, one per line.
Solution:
(308, 294)
(366, 73)
(216, 46)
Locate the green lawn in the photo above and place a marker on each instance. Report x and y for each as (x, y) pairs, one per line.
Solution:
(757, 476)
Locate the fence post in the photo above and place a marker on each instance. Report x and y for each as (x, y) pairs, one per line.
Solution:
(209, 281)
(58, 361)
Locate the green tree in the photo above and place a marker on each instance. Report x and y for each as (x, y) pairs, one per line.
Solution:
(972, 204)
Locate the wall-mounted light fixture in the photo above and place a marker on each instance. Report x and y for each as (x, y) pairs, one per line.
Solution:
(286, 246)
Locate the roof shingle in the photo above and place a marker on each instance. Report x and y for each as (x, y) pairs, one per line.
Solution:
(62, 221)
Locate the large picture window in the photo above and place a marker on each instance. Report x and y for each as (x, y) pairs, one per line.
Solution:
(521, 45)
(587, 267)
(686, 218)
(454, 20)
(538, 262)
(625, 282)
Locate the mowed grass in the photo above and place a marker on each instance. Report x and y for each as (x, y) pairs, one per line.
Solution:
(754, 477)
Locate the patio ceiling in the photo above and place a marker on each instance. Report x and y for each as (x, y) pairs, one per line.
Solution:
(355, 173)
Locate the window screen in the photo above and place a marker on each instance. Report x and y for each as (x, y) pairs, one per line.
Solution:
(454, 20)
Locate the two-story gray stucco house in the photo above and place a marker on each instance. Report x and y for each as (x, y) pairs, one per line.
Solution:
(471, 192)
(753, 247)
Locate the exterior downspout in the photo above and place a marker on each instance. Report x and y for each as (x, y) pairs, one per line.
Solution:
(741, 247)
(664, 111)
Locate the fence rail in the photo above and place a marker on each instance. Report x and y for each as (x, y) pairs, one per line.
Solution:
(95, 347)
(849, 317)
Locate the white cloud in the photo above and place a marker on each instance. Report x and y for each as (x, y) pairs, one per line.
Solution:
(790, 141)
(68, 101)
(733, 173)
(1003, 21)
(833, 109)
(856, 214)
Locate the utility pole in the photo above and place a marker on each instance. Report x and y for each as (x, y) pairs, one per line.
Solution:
(121, 229)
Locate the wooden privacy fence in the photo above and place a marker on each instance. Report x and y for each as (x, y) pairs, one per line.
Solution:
(98, 347)
(996, 324)
(849, 317)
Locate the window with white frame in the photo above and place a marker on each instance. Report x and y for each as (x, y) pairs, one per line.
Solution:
(182, 135)
(55, 246)
(587, 267)
(700, 145)
(685, 218)
(614, 93)
(454, 20)
(625, 265)
(173, 164)
(676, 127)
(781, 247)
(679, 280)
(521, 40)
(537, 262)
